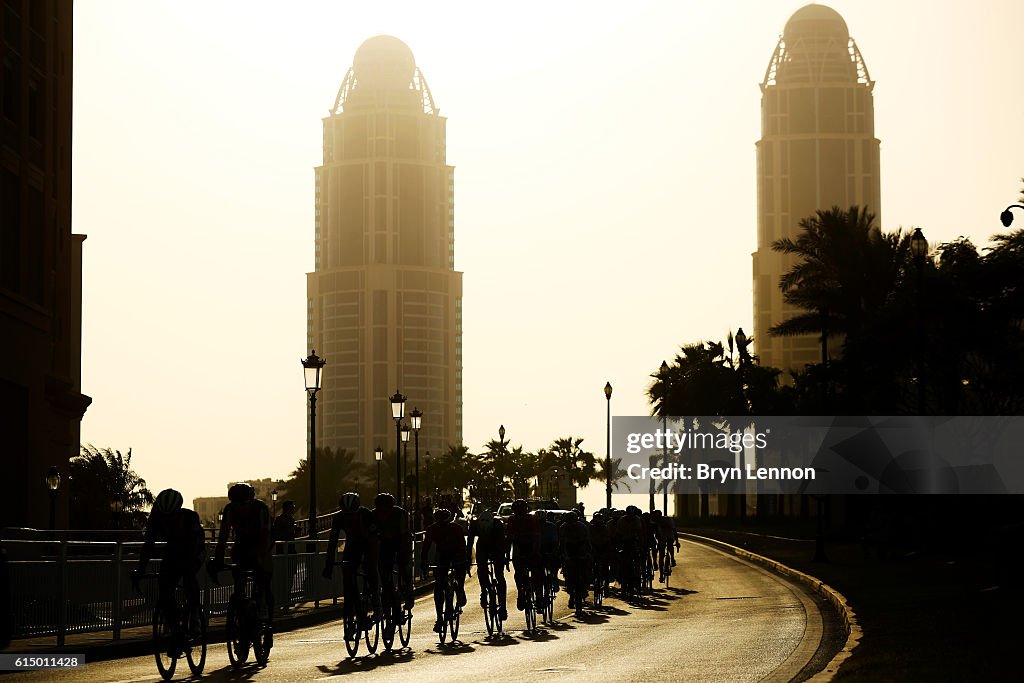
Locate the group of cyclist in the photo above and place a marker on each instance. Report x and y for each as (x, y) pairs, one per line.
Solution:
(613, 546)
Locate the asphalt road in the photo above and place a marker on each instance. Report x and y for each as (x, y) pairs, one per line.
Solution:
(722, 619)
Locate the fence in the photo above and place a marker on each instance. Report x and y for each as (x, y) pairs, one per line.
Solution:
(60, 587)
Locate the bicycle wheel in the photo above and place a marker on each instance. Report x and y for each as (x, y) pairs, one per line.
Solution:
(453, 624)
(238, 646)
(490, 612)
(352, 635)
(387, 633)
(531, 616)
(372, 635)
(196, 652)
(405, 628)
(163, 640)
(261, 644)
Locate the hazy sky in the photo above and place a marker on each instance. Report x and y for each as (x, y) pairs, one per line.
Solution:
(604, 195)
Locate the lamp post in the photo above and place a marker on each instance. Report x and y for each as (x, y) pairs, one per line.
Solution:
(406, 433)
(273, 498)
(497, 481)
(1006, 216)
(608, 448)
(378, 454)
(52, 484)
(919, 249)
(741, 345)
(417, 422)
(398, 414)
(664, 443)
(312, 367)
(115, 512)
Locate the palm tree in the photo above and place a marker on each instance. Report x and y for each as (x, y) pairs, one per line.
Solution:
(105, 491)
(619, 477)
(566, 454)
(336, 472)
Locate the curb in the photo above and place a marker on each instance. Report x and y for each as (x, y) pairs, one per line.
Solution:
(137, 647)
(854, 633)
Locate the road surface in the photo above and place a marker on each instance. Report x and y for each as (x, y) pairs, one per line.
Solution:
(722, 619)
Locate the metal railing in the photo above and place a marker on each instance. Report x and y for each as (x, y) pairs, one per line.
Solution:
(61, 587)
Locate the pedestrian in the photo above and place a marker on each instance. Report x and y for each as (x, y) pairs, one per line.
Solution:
(284, 532)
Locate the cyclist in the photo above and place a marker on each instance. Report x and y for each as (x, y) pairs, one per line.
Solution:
(490, 547)
(600, 542)
(250, 520)
(449, 537)
(668, 543)
(549, 545)
(182, 556)
(523, 533)
(577, 556)
(395, 553)
(629, 529)
(361, 549)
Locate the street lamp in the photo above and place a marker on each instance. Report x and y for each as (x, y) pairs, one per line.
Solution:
(406, 433)
(608, 448)
(664, 443)
(52, 484)
(497, 482)
(417, 423)
(378, 454)
(273, 498)
(312, 368)
(398, 414)
(919, 249)
(1006, 216)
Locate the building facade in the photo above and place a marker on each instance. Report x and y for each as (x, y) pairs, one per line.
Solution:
(817, 150)
(41, 402)
(384, 303)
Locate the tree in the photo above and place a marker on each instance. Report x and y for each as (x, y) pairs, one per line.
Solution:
(619, 476)
(566, 454)
(106, 492)
(336, 472)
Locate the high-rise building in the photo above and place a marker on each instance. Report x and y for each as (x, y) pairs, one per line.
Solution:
(41, 402)
(817, 150)
(385, 301)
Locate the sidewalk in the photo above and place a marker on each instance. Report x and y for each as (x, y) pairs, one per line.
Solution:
(138, 641)
(923, 617)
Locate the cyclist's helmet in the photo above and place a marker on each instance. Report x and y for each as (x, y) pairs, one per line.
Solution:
(442, 515)
(519, 506)
(349, 501)
(241, 492)
(486, 516)
(167, 501)
(632, 510)
(384, 500)
(656, 514)
(570, 517)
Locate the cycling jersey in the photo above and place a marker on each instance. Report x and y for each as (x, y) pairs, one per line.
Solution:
(490, 538)
(448, 538)
(183, 534)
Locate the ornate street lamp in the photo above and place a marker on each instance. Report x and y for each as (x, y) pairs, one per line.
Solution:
(312, 368)
(497, 481)
(417, 423)
(406, 433)
(608, 448)
(1006, 216)
(398, 414)
(664, 443)
(52, 484)
(378, 454)
(273, 497)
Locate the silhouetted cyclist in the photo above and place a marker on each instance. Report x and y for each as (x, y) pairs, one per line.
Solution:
(395, 553)
(449, 539)
(361, 549)
(181, 557)
(491, 546)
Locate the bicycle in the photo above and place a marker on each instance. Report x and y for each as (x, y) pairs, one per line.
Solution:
(452, 612)
(664, 563)
(630, 577)
(173, 637)
(358, 623)
(403, 625)
(492, 608)
(647, 572)
(245, 624)
(600, 581)
(577, 585)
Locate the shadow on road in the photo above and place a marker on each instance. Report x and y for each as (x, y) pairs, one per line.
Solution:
(560, 625)
(592, 618)
(538, 636)
(456, 647)
(245, 672)
(681, 591)
(368, 662)
(499, 640)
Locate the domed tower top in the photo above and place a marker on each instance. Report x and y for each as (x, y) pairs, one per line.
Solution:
(384, 62)
(816, 48)
(815, 20)
(384, 66)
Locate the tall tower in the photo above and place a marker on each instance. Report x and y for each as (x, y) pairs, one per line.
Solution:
(817, 150)
(385, 302)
